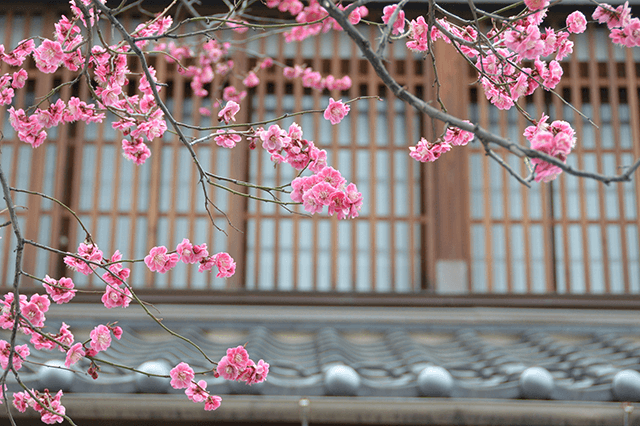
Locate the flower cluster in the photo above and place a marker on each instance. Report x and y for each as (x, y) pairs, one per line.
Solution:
(425, 151)
(625, 30)
(313, 79)
(20, 353)
(85, 260)
(182, 378)
(44, 403)
(326, 187)
(556, 139)
(236, 365)
(315, 17)
(161, 261)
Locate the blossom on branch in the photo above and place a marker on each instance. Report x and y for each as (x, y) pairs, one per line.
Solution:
(336, 111)
(158, 259)
(426, 151)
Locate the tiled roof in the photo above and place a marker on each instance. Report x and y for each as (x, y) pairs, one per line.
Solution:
(372, 352)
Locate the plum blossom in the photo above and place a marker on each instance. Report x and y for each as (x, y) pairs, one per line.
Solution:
(74, 354)
(116, 296)
(228, 369)
(225, 264)
(556, 139)
(49, 56)
(158, 259)
(100, 338)
(336, 111)
(251, 80)
(426, 151)
(398, 24)
(227, 139)
(228, 113)
(181, 376)
(212, 402)
(536, 4)
(20, 354)
(576, 22)
(458, 137)
(238, 356)
(61, 291)
(274, 139)
(196, 392)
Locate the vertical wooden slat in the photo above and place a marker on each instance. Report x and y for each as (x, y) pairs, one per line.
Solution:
(372, 90)
(594, 89)
(506, 209)
(634, 122)
(355, 113)
(526, 217)
(579, 152)
(390, 150)
(614, 100)
(487, 222)
(411, 139)
(261, 91)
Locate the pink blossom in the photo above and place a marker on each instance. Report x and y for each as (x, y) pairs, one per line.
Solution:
(212, 402)
(336, 111)
(332, 177)
(536, 4)
(61, 291)
(576, 22)
(338, 205)
(64, 337)
(185, 250)
(227, 369)
(100, 338)
(526, 42)
(251, 80)
(255, 373)
(19, 79)
(230, 93)
(458, 137)
(310, 203)
(135, 150)
(74, 354)
(33, 314)
(181, 376)
(21, 353)
(158, 259)
(426, 151)
(41, 342)
(115, 296)
(48, 56)
(238, 356)
(227, 139)
(228, 113)
(197, 392)
(42, 302)
(274, 139)
(21, 401)
(398, 24)
(225, 264)
(117, 332)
